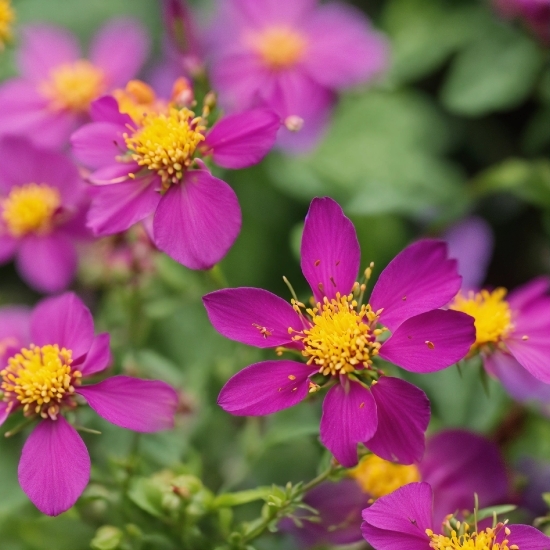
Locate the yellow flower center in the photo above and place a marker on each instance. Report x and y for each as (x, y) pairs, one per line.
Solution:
(280, 47)
(7, 16)
(341, 338)
(40, 378)
(166, 143)
(139, 101)
(484, 540)
(492, 314)
(30, 209)
(73, 86)
(378, 477)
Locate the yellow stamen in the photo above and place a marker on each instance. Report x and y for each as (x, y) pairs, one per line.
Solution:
(378, 477)
(280, 47)
(7, 17)
(484, 540)
(492, 314)
(40, 378)
(30, 209)
(139, 101)
(73, 86)
(166, 143)
(341, 339)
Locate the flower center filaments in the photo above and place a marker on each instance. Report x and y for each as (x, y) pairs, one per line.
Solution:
(341, 337)
(492, 314)
(280, 47)
(378, 477)
(483, 540)
(30, 208)
(73, 86)
(40, 378)
(166, 143)
(7, 17)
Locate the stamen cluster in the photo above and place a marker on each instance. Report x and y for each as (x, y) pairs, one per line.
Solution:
(464, 540)
(7, 17)
(280, 47)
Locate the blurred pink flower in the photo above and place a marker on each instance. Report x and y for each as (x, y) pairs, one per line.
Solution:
(535, 13)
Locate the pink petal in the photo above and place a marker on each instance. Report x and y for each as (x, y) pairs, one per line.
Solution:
(134, 404)
(266, 388)
(105, 109)
(419, 279)
(5, 410)
(400, 519)
(261, 14)
(54, 467)
(403, 418)
(120, 48)
(525, 536)
(197, 222)
(349, 417)
(119, 172)
(44, 47)
(47, 264)
(14, 331)
(330, 250)
(98, 144)
(99, 357)
(243, 139)
(525, 295)
(116, 207)
(343, 49)
(430, 341)
(252, 316)
(65, 321)
(8, 246)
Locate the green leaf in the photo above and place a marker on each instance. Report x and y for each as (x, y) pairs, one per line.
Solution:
(148, 496)
(229, 500)
(494, 73)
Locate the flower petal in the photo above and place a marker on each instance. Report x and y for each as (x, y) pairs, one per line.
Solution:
(330, 250)
(343, 49)
(525, 536)
(105, 109)
(14, 331)
(120, 48)
(8, 246)
(99, 357)
(117, 206)
(419, 279)
(63, 320)
(349, 417)
(98, 144)
(134, 404)
(525, 295)
(252, 316)
(243, 139)
(270, 11)
(197, 222)
(54, 467)
(44, 47)
(5, 410)
(430, 341)
(265, 388)
(47, 264)
(400, 519)
(403, 418)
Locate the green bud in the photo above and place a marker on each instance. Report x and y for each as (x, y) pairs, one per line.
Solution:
(107, 538)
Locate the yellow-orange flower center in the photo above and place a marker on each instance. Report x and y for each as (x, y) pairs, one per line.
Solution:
(492, 314)
(7, 17)
(484, 540)
(166, 143)
(40, 378)
(378, 477)
(280, 47)
(139, 101)
(73, 86)
(341, 338)
(30, 209)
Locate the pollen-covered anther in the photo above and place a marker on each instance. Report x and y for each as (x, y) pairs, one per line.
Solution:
(341, 337)
(40, 379)
(461, 538)
(166, 143)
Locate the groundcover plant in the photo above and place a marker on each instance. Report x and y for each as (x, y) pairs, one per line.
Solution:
(275, 274)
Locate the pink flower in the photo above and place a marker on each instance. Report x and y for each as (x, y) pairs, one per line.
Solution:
(457, 464)
(43, 380)
(404, 519)
(147, 162)
(535, 13)
(340, 336)
(42, 204)
(57, 85)
(293, 56)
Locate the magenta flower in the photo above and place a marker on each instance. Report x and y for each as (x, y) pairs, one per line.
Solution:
(404, 519)
(148, 164)
(43, 380)
(42, 205)
(457, 464)
(535, 13)
(340, 337)
(57, 85)
(293, 56)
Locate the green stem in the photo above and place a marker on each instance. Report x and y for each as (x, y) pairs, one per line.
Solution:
(217, 276)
